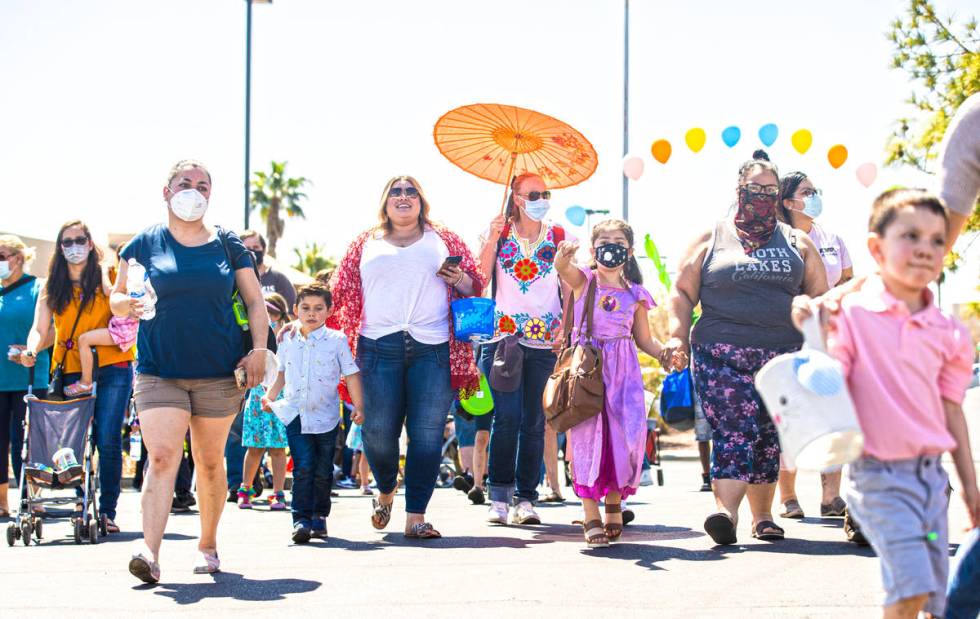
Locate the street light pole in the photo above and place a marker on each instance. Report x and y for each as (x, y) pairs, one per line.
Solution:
(248, 96)
(626, 103)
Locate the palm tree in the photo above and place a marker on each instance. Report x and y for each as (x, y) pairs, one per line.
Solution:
(311, 260)
(276, 194)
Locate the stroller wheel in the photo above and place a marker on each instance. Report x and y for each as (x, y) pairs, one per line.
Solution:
(12, 532)
(26, 530)
(37, 529)
(103, 525)
(660, 477)
(78, 525)
(93, 532)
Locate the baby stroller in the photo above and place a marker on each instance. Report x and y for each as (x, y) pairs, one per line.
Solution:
(55, 434)
(653, 449)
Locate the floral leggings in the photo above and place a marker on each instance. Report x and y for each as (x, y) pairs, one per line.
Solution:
(745, 445)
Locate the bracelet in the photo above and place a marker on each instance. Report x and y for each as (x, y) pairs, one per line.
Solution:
(258, 350)
(460, 280)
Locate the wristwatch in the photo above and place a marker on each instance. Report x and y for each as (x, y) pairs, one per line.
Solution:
(29, 354)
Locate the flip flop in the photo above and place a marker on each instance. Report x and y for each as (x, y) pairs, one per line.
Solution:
(381, 514)
(721, 528)
(768, 530)
(554, 497)
(422, 530)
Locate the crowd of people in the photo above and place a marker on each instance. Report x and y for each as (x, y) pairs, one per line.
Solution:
(369, 354)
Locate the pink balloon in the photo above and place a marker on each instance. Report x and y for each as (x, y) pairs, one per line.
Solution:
(867, 173)
(633, 167)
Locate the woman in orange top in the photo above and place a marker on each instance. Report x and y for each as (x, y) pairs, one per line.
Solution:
(78, 290)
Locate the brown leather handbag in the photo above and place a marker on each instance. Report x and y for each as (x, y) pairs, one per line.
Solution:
(575, 391)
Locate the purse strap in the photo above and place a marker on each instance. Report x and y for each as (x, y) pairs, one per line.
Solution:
(568, 319)
(71, 336)
(14, 286)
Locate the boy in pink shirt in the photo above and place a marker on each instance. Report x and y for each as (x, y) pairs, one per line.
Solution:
(907, 365)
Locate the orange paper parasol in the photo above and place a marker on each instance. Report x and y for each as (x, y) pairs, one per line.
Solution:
(496, 142)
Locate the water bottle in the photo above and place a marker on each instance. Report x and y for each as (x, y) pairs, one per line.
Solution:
(135, 445)
(138, 286)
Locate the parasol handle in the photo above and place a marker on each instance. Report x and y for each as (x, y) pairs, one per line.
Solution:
(510, 176)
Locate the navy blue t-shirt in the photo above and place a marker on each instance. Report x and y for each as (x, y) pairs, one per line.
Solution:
(194, 334)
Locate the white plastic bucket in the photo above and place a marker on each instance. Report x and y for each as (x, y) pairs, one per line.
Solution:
(64, 459)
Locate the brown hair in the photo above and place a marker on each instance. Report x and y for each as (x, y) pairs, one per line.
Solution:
(760, 159)
(512, 210)
(886, 207)
(276, 299)
(384, 222)
(315, 289)
(183, 164)
(323, 276)
(631, 270)
(59, 288)
(247, 234)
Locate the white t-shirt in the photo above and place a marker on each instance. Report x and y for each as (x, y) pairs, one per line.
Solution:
(402, 291)
(528, 300)
(832, 252)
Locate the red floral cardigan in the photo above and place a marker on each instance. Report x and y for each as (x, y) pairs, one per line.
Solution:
(348, 302)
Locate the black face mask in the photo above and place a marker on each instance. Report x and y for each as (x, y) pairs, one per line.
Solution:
(259, 255)
(611, 255)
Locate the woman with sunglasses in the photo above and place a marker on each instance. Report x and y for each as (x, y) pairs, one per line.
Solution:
(76, 299)
(392, 295)
(800, 202)
(745, 273)
(19, 293)
(188, 355)
(518, 253)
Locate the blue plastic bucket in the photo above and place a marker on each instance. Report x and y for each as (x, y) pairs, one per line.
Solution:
(473, 318)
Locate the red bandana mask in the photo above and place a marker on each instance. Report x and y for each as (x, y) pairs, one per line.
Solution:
(755, 220)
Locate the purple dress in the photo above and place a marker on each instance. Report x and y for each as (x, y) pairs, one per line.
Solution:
(608, 449)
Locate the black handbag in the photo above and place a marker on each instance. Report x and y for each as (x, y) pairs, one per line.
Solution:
(238, 303)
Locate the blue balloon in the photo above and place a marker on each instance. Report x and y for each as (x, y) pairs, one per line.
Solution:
(731, 135)
(768, 134)
(575, 215)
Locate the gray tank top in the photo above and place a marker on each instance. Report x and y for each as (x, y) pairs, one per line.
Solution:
(746, 298)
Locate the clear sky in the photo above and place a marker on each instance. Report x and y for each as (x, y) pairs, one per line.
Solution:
(101, 97)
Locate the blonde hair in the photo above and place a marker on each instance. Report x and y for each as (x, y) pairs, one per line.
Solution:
(384, 222)
(183, 164)
(14, 244)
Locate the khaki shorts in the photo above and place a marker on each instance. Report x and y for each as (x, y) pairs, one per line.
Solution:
(201, 397)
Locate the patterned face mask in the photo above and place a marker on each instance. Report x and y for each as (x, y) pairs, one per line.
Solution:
(611, 255)
(755, 219)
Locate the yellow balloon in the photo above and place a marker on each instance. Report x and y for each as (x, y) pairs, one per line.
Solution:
(695, 139)
(837, 155)
(802, 140)
(661, 150)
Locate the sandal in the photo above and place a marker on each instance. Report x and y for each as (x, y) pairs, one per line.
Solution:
(834, 509)
(768, 530)
(721, 528)
(207, 563)
(145, 569)
(381, 514)
(110, 526)
(554, 497)
(77, 390)
(595, 534)
(792, 509)
(613, 529)
(422, 530)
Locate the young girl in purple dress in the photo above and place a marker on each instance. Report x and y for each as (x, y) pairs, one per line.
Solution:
(607, 450)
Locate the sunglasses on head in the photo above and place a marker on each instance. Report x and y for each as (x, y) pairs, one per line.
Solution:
(534, 196)
(396, 192)
(769, 190)
(78, 240)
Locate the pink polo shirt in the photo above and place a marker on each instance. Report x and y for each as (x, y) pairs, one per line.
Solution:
(899, 368)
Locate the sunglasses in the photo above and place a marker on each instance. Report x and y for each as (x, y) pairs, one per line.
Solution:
(78, 240)
(534, 196)
(769, 190)
(6, 256)
(396, 192)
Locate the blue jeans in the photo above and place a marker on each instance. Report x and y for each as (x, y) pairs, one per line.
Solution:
(312, 471)
(115, 387)
(405, 383)
(963, 595)
(235, 453)
(517, 434)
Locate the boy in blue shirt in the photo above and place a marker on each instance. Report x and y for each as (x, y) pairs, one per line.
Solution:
(312, 361)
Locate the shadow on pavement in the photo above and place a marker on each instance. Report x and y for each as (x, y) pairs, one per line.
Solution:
(235, 586)
(127, 536)
(632, 533)
(398, 540)
(648, 555)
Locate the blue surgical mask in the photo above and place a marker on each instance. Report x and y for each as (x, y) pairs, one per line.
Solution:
(537, 209)
(812, 206)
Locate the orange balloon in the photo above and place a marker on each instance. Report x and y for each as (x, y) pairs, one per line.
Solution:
(837, 155)
(661, 150)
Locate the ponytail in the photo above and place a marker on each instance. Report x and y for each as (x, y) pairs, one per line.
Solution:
(632, 271)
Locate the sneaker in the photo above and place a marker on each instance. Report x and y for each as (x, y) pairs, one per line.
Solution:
(705, 483)
(245, 497)
(278, 502)
(463, 483)
(498, 512)
(646, 479)
(853, 531)
(179, 507)
(232, 495)
(347, 483)
(476, 496)
(302, 533)
(319, 528)
(628, 514)
(188, 499)
(524, 514)
(366, 491)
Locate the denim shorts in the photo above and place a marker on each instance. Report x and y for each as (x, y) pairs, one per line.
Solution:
(466, 429)
(901, 506)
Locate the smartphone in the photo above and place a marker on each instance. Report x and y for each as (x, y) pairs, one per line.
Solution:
(451, 261)
(240, 377)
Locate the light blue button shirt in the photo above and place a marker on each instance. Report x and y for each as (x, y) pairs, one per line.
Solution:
(313, 366)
